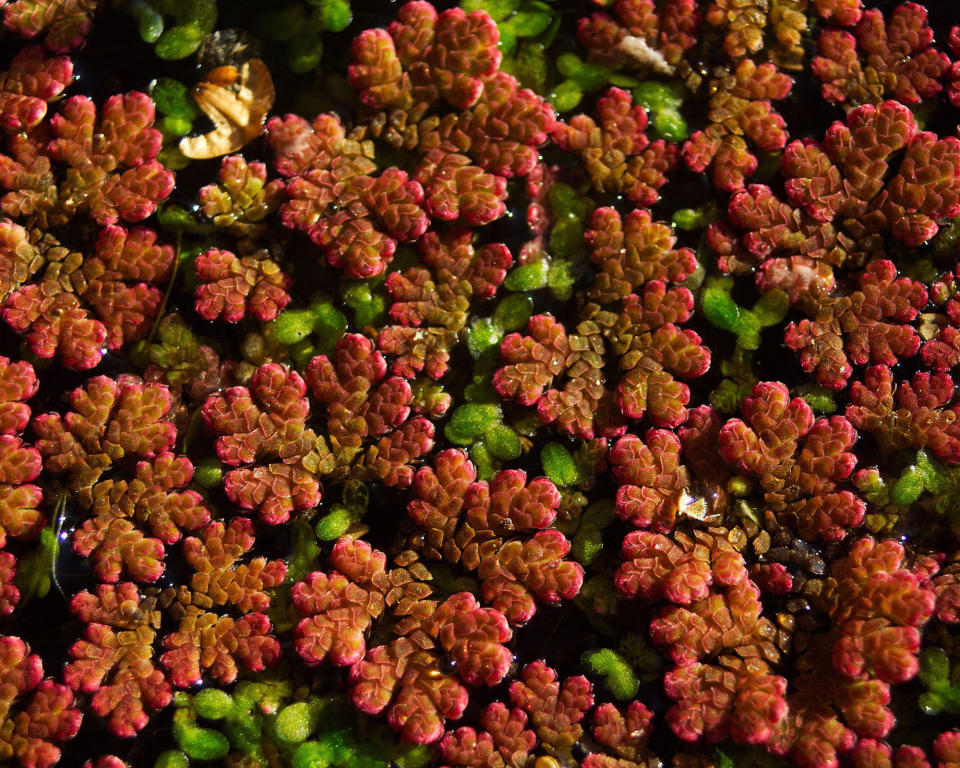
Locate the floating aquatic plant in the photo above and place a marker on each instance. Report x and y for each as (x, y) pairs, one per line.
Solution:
(510, 385)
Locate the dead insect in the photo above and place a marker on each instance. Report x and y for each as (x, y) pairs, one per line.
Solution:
(225, 76)
(237, 101)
